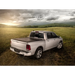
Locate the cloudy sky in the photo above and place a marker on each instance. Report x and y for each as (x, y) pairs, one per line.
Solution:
(36, 16)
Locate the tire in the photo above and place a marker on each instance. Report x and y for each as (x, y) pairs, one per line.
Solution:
(38, 53)
(60, 45)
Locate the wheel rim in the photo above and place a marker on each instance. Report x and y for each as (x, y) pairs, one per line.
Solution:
(59, 45)
(39, 53)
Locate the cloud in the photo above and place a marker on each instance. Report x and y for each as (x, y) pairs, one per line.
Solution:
(24, 16)
(52, 18)
(72, 19)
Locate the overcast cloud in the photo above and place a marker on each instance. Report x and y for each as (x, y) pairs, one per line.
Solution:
(39, 16)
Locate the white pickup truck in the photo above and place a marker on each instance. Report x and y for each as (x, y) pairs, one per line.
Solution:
(36, 43)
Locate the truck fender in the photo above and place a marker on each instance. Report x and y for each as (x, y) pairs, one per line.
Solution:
(38, 47)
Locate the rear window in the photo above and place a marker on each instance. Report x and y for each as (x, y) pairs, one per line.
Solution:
(35, 34)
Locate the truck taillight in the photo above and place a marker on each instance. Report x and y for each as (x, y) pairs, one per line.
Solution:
(28, 47)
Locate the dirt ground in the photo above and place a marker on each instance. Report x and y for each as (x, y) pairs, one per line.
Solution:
(50, 57)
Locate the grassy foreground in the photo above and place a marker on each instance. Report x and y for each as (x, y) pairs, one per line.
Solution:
(67, 33)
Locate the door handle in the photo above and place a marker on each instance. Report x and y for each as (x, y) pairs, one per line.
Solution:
(54, 38)
(47, 40)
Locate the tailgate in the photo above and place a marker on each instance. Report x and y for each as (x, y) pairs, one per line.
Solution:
(18, 44)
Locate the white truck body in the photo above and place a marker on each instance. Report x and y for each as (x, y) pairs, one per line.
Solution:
(19, 45)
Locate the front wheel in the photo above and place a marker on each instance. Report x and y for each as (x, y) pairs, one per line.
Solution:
(60, 45)
(38, 53)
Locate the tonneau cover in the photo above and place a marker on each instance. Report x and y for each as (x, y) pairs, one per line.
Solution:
(29, 39)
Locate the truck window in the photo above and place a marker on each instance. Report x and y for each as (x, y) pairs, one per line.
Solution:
(49, 35)
(54, 35)
(39, 35)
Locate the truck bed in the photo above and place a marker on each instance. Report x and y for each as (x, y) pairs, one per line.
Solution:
(29, 39)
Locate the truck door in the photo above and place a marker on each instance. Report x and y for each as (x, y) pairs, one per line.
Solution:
(51, 41)
(56, 39)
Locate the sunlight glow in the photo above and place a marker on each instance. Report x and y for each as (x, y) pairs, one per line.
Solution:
(14, 21)
(12, 24)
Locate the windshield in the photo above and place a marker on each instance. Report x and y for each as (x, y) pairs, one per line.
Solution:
(38, 35)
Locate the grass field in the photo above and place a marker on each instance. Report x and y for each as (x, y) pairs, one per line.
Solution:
(65, 56)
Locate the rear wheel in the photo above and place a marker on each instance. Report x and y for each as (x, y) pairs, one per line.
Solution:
(38, 53)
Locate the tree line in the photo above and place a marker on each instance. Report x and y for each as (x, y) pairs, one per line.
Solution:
(49, 25)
